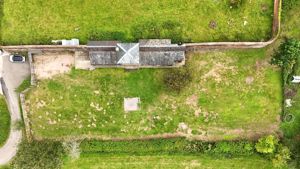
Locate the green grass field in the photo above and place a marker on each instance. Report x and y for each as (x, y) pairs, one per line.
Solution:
(93, 161)
(4, 121)
(39, 22)
(230, 92)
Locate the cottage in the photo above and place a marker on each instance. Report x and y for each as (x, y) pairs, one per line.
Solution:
(146, 53)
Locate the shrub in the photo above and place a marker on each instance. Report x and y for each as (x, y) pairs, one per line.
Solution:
(267, 145)
(199, 147)
(107, 35)
(41, 155)
(287, 58)
(177, 79)
(234, 148)
(282, 156)
(154, 29)
(136, 147)
(235, 3)
(72, 148)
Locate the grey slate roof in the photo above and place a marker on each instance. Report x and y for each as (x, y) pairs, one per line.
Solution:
(129, 53)
(103, 57)
(164, 58)
(102, 43)
(145, 53)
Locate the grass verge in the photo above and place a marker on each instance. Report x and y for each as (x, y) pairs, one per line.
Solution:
(166, 161)
(4, 121)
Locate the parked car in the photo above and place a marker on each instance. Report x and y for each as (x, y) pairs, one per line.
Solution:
(17, 58)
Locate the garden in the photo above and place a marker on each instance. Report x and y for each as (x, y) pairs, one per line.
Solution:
(90, 103)
(39, 22)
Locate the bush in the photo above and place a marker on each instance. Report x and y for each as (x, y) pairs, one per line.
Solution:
(41, 155)
(287, 57)
(177, 79)
(136, 147)
(199, 147)
(72, 148)
(282, 156)
(234, 148)
(154, 29)
(107, 35)
(267, 145)
(235, 3)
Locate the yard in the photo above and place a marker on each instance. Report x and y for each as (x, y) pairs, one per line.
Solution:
(232, 94)
(39, 22)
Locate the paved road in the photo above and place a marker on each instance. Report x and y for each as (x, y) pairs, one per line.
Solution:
(13, 75)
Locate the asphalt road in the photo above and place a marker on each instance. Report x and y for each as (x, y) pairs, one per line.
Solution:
(13, 75)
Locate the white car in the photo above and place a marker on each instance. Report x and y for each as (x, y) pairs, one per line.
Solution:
(17, 58)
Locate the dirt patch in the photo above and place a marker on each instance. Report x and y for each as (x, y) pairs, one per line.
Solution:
(249, 80)
(259, 65)
(192, 100)
(46, 65)
(217, 72)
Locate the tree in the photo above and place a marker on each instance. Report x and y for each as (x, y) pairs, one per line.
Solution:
(267, 145)
(177, 79)
(235, 3)
(287, 58)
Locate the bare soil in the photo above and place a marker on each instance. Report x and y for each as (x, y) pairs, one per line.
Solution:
(46, 65)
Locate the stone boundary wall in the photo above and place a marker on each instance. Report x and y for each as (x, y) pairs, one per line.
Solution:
(253, 136)
(32, 74)
(25, 115)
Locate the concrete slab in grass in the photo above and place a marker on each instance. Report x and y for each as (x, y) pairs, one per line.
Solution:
(131, 104)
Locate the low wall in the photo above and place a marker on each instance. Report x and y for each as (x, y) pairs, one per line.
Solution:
(25, 115)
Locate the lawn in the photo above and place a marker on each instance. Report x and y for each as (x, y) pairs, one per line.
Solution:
(39, 22)
(167, 162)
(4, 121)
(231, 94)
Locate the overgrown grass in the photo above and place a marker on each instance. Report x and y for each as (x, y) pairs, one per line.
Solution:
(229, 92)
(4, 121)
(291, 20)
(39, 22)
(166, 161)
